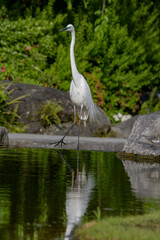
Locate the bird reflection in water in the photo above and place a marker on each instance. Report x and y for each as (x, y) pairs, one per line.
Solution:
(78, 196)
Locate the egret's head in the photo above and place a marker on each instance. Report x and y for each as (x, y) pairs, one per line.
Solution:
(69, 28)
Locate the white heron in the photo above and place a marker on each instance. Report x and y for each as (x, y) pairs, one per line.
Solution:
(80, 93)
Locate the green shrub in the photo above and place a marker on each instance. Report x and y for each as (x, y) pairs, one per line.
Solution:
(119, 54)
(8, 117)
(28, 47)
(152, 105)
(50, 114)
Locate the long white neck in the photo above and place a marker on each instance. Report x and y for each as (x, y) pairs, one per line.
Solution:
(75, 73)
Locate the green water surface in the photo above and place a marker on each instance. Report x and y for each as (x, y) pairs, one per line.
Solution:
(44, 193)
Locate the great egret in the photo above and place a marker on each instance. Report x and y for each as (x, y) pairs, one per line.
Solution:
(80, 93)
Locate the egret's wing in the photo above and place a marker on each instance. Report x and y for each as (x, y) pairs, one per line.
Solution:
(78, 98)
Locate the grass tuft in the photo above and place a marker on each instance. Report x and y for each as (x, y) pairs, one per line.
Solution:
(144, 227)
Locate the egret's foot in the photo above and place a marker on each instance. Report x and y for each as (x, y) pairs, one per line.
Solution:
(59, 142)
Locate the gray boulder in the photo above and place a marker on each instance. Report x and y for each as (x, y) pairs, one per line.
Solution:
(145, 136)
(30, 106)
(3, 136)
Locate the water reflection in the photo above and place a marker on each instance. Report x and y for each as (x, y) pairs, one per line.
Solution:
(145, 178)
(77, 197)
(43, 193)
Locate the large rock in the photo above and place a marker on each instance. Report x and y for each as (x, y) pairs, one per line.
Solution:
(3, 136)
(145, 136)
(31, 105)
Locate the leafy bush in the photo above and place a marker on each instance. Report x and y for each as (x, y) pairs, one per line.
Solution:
(124, 63)
(9, 118)
(28, 48)
(50, 114)
(152, 105)
(119, 54)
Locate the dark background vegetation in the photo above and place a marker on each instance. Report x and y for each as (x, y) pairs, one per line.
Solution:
(117, 48)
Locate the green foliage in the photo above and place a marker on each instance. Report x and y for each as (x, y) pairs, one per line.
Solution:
(27, 48)
(50, 113)
(125, 67)
(144, 227)
(97, 213)
(8, 117)
(152, 105)
(117, 48)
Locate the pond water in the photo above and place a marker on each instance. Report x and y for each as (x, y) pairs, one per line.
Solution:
(45, 193)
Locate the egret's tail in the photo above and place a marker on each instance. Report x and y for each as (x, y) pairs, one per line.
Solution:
(98, 116)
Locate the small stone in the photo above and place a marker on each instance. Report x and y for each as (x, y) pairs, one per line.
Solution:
(4, 140)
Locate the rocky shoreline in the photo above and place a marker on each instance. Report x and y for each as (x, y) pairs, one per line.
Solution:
(142, 144)
(26, 140)
(139, 135)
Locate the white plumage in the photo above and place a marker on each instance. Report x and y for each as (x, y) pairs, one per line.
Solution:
(80, 93)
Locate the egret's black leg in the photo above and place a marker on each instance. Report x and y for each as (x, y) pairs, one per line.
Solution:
(78, 137)
(61, 140)
(78, 167)
(79, 124)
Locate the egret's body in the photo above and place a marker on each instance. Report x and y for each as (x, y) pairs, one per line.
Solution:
(78, 98)
(80, 93)
(78, 84)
